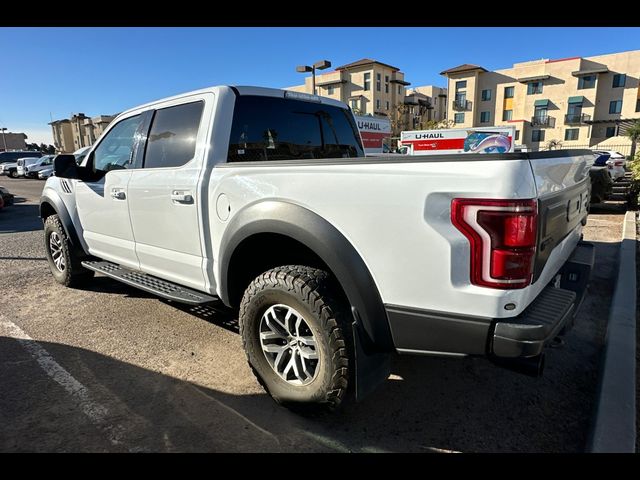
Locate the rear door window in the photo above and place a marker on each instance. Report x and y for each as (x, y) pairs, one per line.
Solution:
(172, 138)
(270, 128)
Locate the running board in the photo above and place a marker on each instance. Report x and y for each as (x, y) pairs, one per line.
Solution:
(148, 283)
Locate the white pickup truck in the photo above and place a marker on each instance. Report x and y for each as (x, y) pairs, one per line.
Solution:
(264, 200)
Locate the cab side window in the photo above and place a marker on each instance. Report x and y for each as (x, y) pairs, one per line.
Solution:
(115, 151)
(172, 138)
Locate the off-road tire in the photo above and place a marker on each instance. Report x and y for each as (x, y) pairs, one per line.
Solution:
(312, 293)
(74, 274)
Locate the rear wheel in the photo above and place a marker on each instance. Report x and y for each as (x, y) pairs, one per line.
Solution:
(64, 258)
(13, 174)
(295, 334)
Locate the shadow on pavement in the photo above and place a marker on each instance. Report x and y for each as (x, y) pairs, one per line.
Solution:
(20, 218)
(609, 208)
(428, 404)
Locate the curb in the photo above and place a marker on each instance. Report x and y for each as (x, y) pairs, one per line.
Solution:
(614, 426)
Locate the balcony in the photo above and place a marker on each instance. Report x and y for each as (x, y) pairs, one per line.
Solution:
(462, 105)
(576, 119)
(543, 121)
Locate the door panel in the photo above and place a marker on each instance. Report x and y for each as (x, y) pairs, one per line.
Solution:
(105, 219)
(167, 231)
(102, 204)
(164, 201)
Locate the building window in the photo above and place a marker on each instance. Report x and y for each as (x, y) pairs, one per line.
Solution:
(615, 106)
(386, 84)
(508, 92)
(534, 88)
(461, 84)
(330, 90)
(517, 135)
(540, 114)
(354, 104)
(571, 133)
(399, 89)
(458, 118)
(387, 106)
(367, 82)
(378, 81)
(619, 80)
(537, 135)
(610, 132)
(638, 105)
(378, 104)
(588, 81)
(485, 117)
(507, 115)
(486, 95)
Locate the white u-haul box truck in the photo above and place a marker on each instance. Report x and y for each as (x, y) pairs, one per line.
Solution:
(459, 140)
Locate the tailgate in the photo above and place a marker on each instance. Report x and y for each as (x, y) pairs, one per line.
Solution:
(563, 185)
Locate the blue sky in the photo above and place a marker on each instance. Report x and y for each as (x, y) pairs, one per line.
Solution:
(97, 71)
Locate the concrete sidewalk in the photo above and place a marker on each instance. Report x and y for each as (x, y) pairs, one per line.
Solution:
(614, 428)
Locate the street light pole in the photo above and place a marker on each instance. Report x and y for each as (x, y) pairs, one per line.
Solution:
(4, 140)
(321, 65)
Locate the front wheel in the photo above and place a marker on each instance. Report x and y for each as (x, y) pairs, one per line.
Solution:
(64, 260)
(295, 333)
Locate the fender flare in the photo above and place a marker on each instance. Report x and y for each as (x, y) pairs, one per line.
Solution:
(52, 198)
(326, 241)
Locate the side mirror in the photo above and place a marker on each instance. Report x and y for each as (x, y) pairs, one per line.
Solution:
(65, 166)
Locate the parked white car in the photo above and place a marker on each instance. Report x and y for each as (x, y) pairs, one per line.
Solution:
(29, 168)
(615, 164)
(25, 162)
(45, 173)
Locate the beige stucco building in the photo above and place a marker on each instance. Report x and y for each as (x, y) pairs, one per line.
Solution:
(374, 88)
(579, 101)
(437, 98)
(62, 136)
(79, 131)
(369, 87)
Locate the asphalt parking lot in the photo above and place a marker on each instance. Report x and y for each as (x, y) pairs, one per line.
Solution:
(111, 368)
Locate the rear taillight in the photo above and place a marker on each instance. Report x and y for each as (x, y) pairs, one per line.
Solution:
(618, 163)
(502, 237)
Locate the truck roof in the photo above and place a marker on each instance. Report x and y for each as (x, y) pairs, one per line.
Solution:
(243, 90)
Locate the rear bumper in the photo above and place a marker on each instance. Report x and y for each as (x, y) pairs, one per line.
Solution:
(550, 314)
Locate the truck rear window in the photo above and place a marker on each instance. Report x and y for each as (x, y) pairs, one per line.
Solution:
(269, 128)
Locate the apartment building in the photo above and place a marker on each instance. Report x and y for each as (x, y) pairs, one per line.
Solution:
(579, 101)
(369, 87)
(79, 131)
(424, 104)
(436, 97)
(62, 136)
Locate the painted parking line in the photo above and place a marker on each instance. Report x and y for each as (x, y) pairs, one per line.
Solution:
(96, 412)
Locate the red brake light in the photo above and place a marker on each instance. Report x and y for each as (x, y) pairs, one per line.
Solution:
(502, 237)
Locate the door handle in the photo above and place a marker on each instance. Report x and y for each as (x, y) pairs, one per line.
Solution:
(118, 195)
(181, 197)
